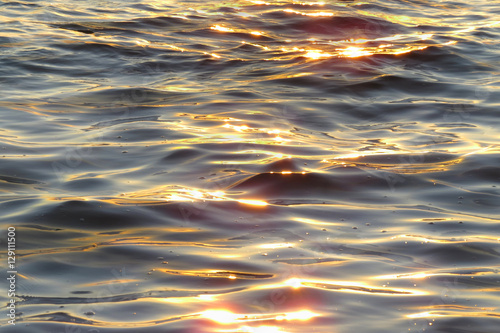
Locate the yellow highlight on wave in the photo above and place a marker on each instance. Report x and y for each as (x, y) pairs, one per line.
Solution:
(221, 28)
(317, 54)
(226, 317)
(354, 52)
(253, 202)
(186, 194)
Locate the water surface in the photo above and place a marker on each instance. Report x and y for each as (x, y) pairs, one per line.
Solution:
(252, 166)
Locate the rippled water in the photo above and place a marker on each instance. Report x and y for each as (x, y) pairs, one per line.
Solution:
(251, 166)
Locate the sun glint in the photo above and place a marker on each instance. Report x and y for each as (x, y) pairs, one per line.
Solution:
(221, 28)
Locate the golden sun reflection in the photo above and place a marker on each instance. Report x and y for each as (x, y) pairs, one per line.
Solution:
(346, 286)
(261, 329)
(253, 202)
(175, 193)
(354, 52)
(433, 314)
(220, 316)
(294, 283)
(258, 329)
(317, 54)
(186, 300)
(422, 275)
(246, 129)
(194, 194)
(428, 240)
(207, 297)
(100, 283)
(237, 128)
(225, 317)
(280, 139)
(215, 274)
(359, 51)
(313, 14)
(215, 55)
(314, 222)
(354, 155)
(299, 315)
(221, 28)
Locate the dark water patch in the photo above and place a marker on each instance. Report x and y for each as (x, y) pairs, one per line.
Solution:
(153, 134)
(87, 185)
(126, 96)
(467, 325)
(107, 49)
(156, 22)
(408, 86)
(89, 215)
(395, 159)
(340, 180)
(462, 254)
(76, 27)
(111, 299)
(39, 227)
(17, 180)
(21, 4)
(180, 156)
(488, 173)
(449, 61)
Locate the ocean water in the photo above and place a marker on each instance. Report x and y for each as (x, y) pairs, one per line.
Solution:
(251, 166)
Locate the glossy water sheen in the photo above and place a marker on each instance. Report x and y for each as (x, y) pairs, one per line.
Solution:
(252, 166)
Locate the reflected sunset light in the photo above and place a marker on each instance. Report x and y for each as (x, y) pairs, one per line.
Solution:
(252, 202)
(261, 329)
(221, 316)
(451, 314)
(345, 286)
(225, 317)
(258, 329)
(354, 52)
(254, 166)
(317, 54)
(221, 28)
(294, 283)
(313, 14)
